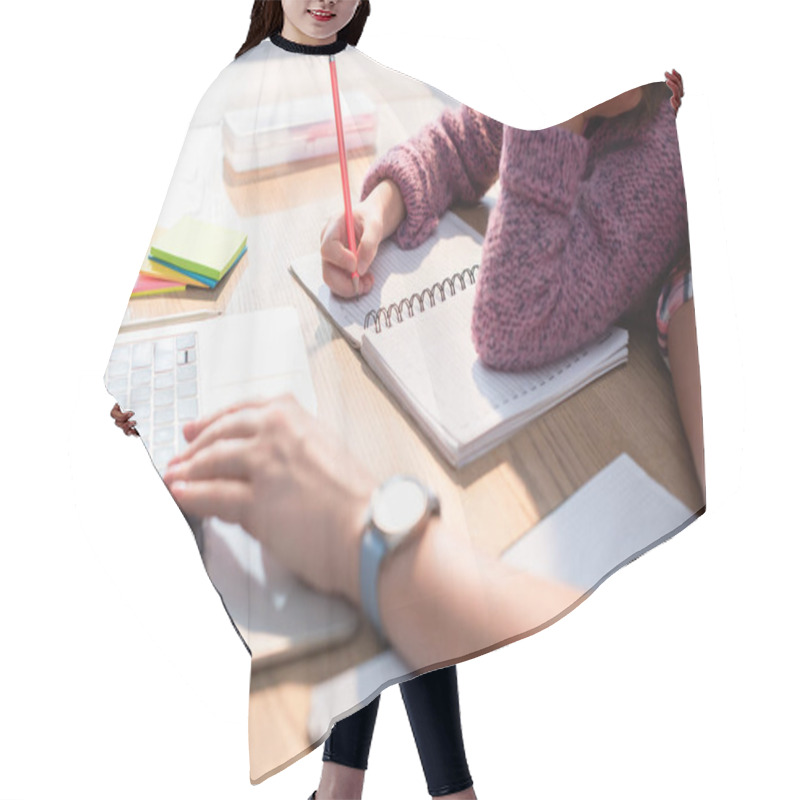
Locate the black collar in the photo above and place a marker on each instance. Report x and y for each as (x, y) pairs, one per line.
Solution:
(308, 49)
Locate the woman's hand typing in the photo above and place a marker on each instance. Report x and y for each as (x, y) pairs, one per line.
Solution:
(278, 472)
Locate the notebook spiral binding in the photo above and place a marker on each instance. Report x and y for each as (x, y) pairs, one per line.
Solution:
(406, 305)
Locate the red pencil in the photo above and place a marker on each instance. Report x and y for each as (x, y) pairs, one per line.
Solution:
(348, 208)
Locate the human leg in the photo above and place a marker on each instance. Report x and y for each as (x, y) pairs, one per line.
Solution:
(433, 710)
(345, 756)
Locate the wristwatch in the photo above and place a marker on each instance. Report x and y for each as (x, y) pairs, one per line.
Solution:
(398, 509)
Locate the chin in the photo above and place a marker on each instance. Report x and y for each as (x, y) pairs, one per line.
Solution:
(314, 35)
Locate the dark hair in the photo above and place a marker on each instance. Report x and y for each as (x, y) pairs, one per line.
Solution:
(266, 18)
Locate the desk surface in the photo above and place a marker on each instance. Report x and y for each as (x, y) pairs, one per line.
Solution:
(496, 498)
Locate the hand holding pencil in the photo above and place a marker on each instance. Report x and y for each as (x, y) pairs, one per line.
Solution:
(374, 219)
(338, 260)
(349, 242)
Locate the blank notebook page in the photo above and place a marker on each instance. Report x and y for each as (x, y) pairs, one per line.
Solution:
(434, 362)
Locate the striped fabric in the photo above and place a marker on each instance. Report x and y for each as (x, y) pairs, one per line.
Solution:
(676, 291)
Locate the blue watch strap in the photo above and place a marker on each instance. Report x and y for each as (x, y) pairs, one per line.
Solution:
(373, 549)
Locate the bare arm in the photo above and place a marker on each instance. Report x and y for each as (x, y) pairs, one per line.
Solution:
(454, 159)
(441, 599)
(286, 479)
(685, 368)
(388, 200)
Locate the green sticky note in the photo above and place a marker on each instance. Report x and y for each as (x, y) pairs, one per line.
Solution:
(201, 247)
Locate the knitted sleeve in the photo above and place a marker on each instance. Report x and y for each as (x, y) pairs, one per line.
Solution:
(573, 244)
(454, 159)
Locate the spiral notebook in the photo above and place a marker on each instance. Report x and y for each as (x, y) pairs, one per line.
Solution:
(413, 330)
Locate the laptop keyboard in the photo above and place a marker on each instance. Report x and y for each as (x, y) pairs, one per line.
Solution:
(157, 380)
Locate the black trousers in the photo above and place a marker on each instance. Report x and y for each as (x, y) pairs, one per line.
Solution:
(431, 702)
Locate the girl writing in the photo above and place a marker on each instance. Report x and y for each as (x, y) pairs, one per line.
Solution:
(591, 217)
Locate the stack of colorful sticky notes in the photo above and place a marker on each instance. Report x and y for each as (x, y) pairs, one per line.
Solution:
(192, 253)
(147, 286)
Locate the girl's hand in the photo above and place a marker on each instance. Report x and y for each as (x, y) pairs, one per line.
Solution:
(338, 262)
(274, 469)
(675, 83)
(122, 419)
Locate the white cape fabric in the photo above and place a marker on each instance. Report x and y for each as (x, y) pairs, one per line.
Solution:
(561, 461)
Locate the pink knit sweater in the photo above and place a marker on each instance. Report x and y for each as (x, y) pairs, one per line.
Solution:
(583, 227)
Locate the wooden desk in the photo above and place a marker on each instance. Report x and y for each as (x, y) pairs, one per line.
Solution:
(496, 498)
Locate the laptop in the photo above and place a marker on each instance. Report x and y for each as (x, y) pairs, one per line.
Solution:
(170, 374)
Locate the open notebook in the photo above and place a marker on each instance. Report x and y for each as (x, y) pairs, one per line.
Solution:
(413, 329)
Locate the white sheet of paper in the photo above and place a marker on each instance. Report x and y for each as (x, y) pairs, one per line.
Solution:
(611, 520)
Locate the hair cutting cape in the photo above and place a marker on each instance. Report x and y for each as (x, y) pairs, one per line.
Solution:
(511, 356)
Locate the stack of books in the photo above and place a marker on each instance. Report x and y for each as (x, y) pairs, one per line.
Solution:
(192, 253)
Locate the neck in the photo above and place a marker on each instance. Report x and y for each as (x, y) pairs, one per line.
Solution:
(320, 47)
(294, 34)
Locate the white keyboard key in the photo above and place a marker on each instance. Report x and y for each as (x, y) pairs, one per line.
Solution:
(162, 397)
(142, 354)
(143, 411)
(165, 362)
(144, 429)
(187, 389)
(164, 415)
(140, 394)
(118, 386)
(121, 353)
(187, 409)
(164, 380)
(186, 356)
(187, 372)
(186, 340)
(162, 455)
(117, 368)
(163, 436)
(140, 377)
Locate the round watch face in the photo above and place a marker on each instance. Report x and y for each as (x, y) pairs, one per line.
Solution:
(399, 505)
